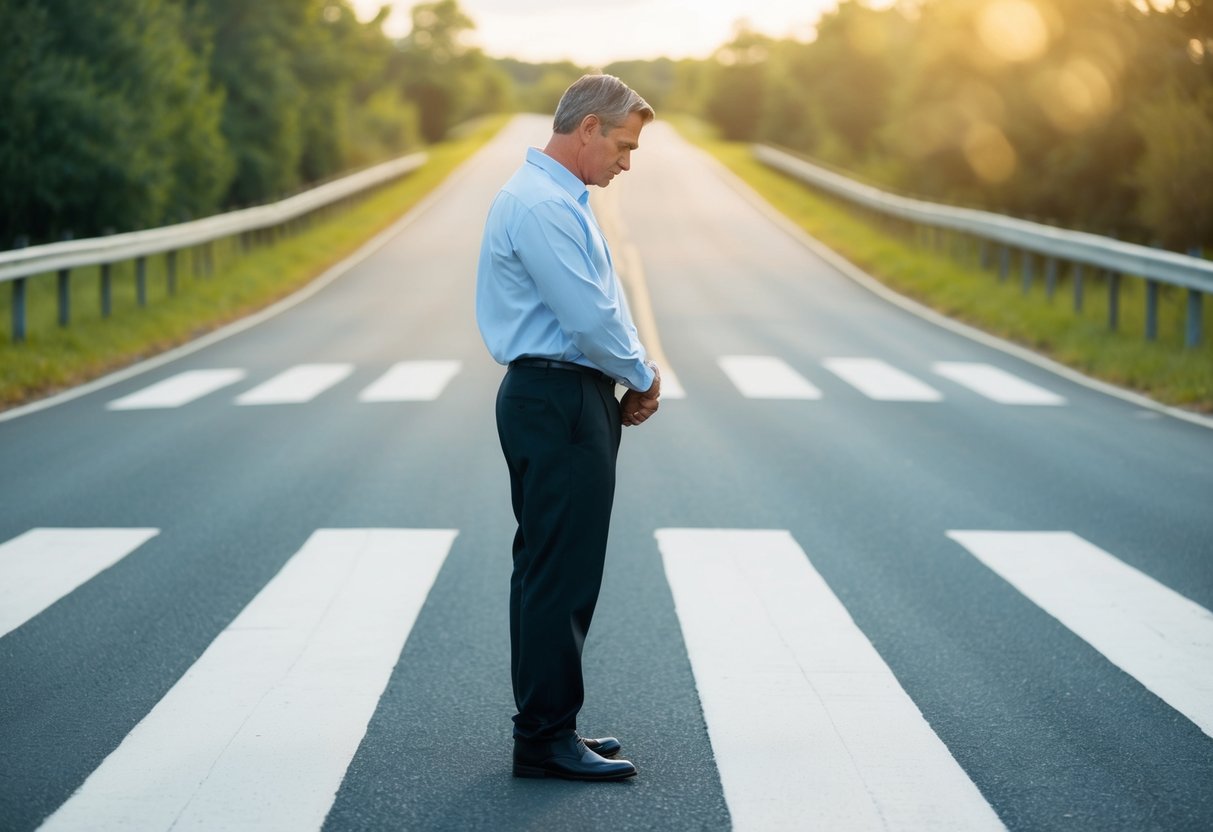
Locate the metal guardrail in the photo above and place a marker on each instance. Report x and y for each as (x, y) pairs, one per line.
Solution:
(1112, 257)
(18, 264)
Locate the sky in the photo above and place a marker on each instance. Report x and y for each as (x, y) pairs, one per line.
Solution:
(596, 32)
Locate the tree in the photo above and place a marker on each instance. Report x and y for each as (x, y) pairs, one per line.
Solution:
(738, 84)
(433, 63)
(253, 61)
(1175, 172)
(109, 119)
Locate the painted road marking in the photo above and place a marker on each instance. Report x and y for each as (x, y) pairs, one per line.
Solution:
(296, 385)
(996, 384)
(412, 381)
(879, 380)
(43, 565)
(1156, 635)
(259, 732)
(671, 387)
(178, 390)
(810, 728)
(766, 377)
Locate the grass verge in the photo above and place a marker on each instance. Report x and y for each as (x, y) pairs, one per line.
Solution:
(53, 357)
(953, 283)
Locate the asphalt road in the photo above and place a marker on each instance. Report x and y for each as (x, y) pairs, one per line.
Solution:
(869, 662)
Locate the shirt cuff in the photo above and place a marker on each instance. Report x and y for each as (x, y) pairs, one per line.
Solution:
(645, 377)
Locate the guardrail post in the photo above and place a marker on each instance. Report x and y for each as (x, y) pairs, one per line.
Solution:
(1192, 335)
(1004, 263)
(19, 310)
(65, 290)
(1151, 310)
(19, 299)
(170, 272)
(1078, 287)
(141, 281)
(1050, 277)
(65, 296)
(1027, 267)
(1113, 299)
(106, 294)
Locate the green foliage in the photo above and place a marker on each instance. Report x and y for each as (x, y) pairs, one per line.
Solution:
(656, 81)
(135, 113)
(737, 83)
(1092, 114)
(251, 61)
(1176, 167)
(109, 119)
(538, 87)
(447, 81)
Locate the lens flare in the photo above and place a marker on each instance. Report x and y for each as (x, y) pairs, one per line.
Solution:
(1013, 30)
(989, 153)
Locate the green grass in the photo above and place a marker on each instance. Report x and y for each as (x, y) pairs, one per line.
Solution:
(948, 277)
(54, 357)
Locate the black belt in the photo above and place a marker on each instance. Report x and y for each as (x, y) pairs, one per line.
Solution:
(553, 364)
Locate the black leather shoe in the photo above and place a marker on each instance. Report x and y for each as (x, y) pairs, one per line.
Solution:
(603, 746)
(567, 758)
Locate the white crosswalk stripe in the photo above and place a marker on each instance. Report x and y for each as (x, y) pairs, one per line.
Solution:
(671, 387)
(412, 381)
(810, 728)
(280, 701)
(43, 565)
(881, 381)
(296, 385)
(258, 733)
(754, 377)
(996, 384)
(1151, 632)
(766, 377)
(178, 390)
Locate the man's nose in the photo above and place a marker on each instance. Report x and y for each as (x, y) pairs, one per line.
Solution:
(625, 161)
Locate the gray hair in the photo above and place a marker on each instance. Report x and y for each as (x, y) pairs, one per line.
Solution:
(604, 96)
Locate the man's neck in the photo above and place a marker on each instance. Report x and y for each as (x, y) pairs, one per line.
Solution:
(563, 148)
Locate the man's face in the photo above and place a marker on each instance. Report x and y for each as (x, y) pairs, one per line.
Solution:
(606, 153)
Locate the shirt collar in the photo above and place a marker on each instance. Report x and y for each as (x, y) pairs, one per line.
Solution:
(559, 173)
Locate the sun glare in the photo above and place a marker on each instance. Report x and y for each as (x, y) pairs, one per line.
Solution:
(1077, 95)
(1014, 30)
(989, 152)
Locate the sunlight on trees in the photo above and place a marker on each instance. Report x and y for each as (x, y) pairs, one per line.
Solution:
(1094, 114)
(1088, 113)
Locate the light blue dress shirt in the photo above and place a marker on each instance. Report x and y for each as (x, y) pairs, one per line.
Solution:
(546, 286)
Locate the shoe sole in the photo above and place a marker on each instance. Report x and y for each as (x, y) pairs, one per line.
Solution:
(538, 772)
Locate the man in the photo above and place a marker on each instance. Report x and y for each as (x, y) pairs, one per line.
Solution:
(549, 305)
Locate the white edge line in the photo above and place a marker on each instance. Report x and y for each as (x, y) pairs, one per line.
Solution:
(370, 247)
(850, 270)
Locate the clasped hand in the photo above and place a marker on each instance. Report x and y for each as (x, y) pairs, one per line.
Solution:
(636, 406)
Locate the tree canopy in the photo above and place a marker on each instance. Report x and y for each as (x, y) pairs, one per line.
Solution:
(1093, 114)
(135, 113)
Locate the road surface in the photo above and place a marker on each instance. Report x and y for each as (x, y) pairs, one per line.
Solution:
(865, 573)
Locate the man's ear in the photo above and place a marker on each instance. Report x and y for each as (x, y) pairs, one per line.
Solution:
(586, 129)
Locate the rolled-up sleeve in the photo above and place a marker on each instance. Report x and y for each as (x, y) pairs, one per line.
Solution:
(553, 246)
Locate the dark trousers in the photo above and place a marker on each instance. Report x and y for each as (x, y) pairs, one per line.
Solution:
(559, 430)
